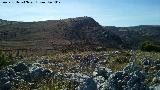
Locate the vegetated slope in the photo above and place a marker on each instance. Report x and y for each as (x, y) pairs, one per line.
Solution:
(132, 37)
(80, 31)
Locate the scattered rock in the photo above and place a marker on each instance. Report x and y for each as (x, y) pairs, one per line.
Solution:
(78, 77)
(20, 67)
(131, 67)
(21, 72)
(100, 82)
(76, 57)
(6, 86)
(102, 71)
(131, 78)
(155, 87)
(44, 61)
(147, 62)
(88, 84)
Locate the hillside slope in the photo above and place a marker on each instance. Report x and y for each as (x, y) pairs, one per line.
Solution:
(56, 33)
(132, 37)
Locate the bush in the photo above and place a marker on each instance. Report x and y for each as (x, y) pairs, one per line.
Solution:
(5, 59)
(148, 46)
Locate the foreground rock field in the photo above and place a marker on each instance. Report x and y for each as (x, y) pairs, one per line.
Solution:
(107, 70)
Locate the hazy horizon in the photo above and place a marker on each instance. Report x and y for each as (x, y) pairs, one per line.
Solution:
(106, 12)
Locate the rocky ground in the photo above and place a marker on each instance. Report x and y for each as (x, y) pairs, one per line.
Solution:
(109, 70)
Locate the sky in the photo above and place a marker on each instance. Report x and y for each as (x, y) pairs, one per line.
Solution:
(106, 12)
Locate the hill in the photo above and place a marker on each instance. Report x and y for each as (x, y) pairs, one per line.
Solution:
(52, 34)
(80, 32)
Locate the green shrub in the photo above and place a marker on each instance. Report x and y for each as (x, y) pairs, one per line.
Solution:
(148, 46)
(5, 59)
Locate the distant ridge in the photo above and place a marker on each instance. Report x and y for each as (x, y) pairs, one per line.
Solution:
(5, 22)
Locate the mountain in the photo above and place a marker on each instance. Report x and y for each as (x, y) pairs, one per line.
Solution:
(52, 34)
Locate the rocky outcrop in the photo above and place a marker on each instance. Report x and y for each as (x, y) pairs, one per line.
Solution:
(21, 73)
(131, 78)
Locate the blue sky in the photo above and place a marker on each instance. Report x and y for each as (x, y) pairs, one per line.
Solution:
(106, 12)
